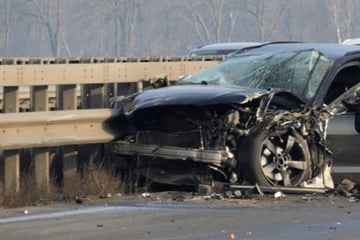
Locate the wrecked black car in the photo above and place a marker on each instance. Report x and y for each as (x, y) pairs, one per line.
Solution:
(260, 116)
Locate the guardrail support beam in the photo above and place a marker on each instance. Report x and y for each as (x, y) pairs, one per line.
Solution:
(42, 168)
(69, 158)
(39, 98)
(67, 100)
(93, 96)
(12, 158)
(40, 102)
(12, 172)
(66, 97)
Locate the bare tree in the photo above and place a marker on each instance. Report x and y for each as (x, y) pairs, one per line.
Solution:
(207, 18)
(159, 27)
(47, 13)
(122, 15)
(341, 13)
(267, 15)
(8, 18)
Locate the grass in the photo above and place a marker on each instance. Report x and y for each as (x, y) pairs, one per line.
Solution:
(93, 182)
(28, 195)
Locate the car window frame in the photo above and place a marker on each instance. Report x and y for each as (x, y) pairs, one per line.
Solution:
(337, 106)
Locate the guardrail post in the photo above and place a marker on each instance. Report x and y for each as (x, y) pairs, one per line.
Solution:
(67, 97)
(12, 158)
(39, 98)
(92, 96)
(69, 158)
(42, 168)
(67, 100)
(40, 102)
(12, 172)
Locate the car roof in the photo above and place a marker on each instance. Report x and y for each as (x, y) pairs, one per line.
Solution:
(331, 50)
(227, 45)
(219, 48)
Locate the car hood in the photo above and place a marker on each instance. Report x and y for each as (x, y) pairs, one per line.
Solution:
(195, 95)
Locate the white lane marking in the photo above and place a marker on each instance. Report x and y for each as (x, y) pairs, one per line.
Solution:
(66, 213)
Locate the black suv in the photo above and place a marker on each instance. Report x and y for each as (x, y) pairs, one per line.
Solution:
(276, 114)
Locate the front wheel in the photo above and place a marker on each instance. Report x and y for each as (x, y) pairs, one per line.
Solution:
(275, 158)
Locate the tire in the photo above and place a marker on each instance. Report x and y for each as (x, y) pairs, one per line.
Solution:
(275, 158)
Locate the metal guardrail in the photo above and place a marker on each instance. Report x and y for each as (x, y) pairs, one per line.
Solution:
(26, 74)
(39, 85)
(53, 128)
(47, 71)
(58, 83)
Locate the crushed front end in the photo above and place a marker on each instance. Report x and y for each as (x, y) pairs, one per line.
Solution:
(186, 135)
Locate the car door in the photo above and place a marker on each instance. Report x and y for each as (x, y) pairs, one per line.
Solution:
(343, 135)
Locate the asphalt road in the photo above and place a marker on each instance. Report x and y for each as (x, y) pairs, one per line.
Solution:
(294, 217)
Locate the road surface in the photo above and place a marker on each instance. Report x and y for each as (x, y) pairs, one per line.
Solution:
(294, 217)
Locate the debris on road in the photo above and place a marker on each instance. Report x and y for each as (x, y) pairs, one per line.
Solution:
(354, 199)
(237, 194)
(349, 189)
(279, 195)
(346, 185)
(105, 196)
(146, 195)
(78, 200)
(270, 189)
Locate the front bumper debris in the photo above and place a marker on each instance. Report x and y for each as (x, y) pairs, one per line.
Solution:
(214, 157)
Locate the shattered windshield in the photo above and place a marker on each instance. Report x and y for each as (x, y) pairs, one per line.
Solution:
(300, 72)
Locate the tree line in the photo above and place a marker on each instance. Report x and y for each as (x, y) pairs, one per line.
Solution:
(115, 28)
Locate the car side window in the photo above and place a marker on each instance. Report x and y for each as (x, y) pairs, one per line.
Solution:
(344, 80)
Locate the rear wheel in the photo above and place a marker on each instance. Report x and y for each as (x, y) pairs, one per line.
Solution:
(275, 158)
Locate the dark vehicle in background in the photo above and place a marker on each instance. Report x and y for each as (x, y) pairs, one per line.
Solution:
(221, 48)
(278, 114)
